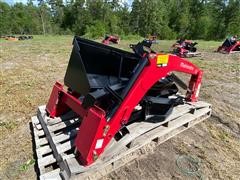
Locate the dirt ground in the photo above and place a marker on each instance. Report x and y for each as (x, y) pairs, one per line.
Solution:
(28, 69)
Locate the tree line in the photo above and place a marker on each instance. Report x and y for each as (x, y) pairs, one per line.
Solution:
(168, 19)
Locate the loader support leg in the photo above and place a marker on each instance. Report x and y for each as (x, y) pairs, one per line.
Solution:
(194, 87)
(88, 148)
(62, 101)
(55, 106)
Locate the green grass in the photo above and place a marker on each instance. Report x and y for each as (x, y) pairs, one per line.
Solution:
(8, 125)
(165, 45)
(25, 166)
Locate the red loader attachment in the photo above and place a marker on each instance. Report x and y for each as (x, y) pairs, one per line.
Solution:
(16, 38)
(114, 103)
(228, 47)
(185, 49)
(111, 39)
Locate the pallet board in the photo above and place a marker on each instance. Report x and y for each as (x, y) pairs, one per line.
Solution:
(54, 141)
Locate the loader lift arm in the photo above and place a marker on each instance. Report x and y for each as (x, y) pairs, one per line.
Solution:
(99, 126)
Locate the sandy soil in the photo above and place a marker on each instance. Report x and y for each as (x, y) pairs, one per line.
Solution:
(29, 69)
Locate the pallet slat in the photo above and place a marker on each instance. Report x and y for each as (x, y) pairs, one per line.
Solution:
(117, 154)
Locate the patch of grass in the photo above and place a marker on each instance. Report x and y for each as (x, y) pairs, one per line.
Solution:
(224, 136)
(209, 46)
(200, 63)
(27, 165)
(8, 125)
(219, 134)
(131, 37)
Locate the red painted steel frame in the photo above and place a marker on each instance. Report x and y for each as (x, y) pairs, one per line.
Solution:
(229, 49)
(95, 131)
(182, 49)
(113, 39)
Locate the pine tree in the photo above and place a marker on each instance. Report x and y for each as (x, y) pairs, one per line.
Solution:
(232, 17)
(135, 16)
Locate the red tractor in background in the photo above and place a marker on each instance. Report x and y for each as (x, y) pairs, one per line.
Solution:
(111, 39)
(230, 45)
(16, 38)
(185, 48)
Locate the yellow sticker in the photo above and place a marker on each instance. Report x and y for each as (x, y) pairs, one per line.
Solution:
(162, 59)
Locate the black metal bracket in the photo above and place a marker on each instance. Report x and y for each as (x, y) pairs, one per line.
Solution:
(90, 99)
(160, 107)
(142, 47)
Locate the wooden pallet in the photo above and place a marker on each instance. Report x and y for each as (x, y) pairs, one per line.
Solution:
(54, 141)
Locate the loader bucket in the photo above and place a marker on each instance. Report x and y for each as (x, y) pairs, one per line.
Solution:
(93, 65)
